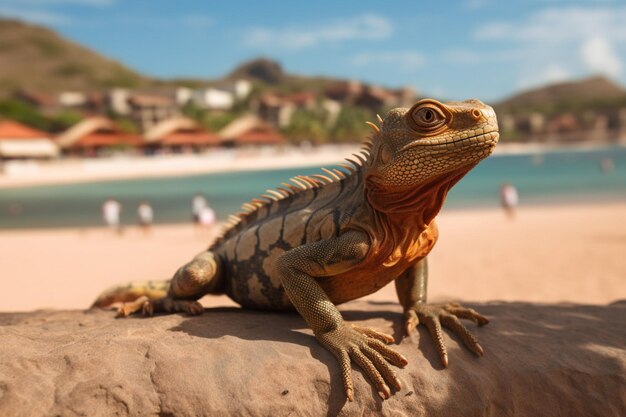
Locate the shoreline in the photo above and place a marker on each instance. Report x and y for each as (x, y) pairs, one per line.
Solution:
(22, 174)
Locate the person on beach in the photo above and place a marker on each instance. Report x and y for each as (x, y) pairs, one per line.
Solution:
(198, 202)
(207, 217)
(111, 212)
(509, 199)
(146, 217)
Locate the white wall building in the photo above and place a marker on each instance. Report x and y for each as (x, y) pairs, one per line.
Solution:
(72, 99)
(183, 95)
(212, 98)
(118, 101)
(241, 89)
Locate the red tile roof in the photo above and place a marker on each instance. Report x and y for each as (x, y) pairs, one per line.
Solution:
(260, 136)
(10, 129)
(109, 138)
(190, 138)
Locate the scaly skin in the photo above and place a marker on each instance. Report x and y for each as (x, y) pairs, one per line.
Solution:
(323, 240)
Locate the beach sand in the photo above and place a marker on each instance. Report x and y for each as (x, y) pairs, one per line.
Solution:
(15, 174)
(547, 254)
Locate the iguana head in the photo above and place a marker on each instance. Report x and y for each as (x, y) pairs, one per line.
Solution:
(428, 146)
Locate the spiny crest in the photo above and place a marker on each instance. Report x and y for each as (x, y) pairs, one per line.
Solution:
(297, 184)
(373, 126)
(366, 147)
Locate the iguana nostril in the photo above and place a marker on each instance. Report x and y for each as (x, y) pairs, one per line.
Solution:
(476, 114)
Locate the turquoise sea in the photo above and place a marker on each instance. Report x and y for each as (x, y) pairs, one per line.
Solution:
(547, 178)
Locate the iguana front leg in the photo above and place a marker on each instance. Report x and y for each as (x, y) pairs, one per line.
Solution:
(411, 289)
(297, 269)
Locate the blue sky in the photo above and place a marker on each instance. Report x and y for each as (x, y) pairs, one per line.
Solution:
(471, 48)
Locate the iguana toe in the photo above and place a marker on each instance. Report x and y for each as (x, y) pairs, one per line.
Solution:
(131, 307)
(446, 315)
(170, 305)
(368, 331)
(365, 347)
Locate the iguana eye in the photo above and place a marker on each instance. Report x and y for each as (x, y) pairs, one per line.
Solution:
(426, 117)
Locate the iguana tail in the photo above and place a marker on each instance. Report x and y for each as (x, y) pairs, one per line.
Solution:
(154, 290)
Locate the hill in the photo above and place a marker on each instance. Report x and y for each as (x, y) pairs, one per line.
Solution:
(65, 65)
(267, 74)
(588, 93)
(60, 63)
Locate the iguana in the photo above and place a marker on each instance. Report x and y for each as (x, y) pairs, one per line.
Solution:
(323, 240)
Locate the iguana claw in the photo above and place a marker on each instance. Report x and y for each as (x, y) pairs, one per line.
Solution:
(446, 315)
(163, 305)
(366, 347)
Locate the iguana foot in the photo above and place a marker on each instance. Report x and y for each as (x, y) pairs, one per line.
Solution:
(163, 305)
(171, 305)
(128, 308)
(446, 315)
(366, 347)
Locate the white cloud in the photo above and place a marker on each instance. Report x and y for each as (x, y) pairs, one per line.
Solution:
(364, 27)
(598, 55)
(404, 60)
(467, 57)
(39, 11)
(552, 73)
(493, 31)
(559, 25)
(574, 40)
(34, 16)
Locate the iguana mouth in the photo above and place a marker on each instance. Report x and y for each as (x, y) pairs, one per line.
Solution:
(486, 137)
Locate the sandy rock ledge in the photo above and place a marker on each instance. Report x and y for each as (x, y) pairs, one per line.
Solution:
(540, 360)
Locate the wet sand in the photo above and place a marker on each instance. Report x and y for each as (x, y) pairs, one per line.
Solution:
(546, 255)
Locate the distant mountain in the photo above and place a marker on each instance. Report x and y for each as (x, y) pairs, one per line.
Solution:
(38, 59)
(590, 92)
(261, 70)
(266, 73)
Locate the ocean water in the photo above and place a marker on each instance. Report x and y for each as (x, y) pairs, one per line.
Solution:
(549, 178)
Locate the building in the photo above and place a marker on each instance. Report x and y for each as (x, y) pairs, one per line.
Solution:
(179, 134)
(250, 130)
(94, 135)
(51, 104)
(212, 98)
(277, 109)
(117, 101)
(372, 97)
(241, 89)
(403, 97)
(375, 98)
(345, 91)
(149, 109)
(183, 96)
(72, 99)
(18, 141)
(222, 97)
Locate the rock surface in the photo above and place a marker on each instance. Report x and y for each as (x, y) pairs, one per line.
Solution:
(540, 360)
